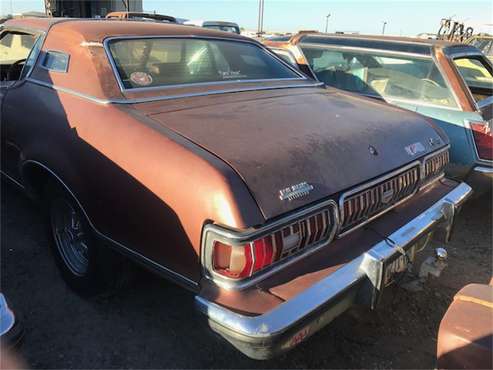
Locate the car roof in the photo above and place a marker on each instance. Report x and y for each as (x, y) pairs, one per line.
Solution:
(393, 43)
(96, 30)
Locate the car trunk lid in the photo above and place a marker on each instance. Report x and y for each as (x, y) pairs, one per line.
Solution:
(331, 141)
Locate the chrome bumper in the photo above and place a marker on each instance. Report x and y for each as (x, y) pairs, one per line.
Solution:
(263, 336)
(481, 179)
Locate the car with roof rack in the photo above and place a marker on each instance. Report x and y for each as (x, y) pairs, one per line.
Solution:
(451, 83)
(208, 160)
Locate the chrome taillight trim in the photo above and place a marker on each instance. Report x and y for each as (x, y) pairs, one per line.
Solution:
(371, 184)
(431, 156)
(422, 183)
(214, 232)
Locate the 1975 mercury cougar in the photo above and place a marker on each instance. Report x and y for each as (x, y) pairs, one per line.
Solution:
(203, 156)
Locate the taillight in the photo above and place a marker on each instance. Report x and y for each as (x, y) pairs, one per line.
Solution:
(483, 137)
(227, 257)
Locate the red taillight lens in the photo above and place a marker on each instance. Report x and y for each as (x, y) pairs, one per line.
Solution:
(238, 261)
(232, 261)
(483, 138)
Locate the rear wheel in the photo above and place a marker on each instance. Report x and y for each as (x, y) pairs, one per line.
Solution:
(86, 265)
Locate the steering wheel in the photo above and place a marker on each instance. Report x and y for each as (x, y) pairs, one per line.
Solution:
(13, 67)
(431, 82)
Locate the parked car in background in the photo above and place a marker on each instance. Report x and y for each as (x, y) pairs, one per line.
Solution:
(465, 336)
(140, 16)
(483, 42)
(215, 25)
(11, 330)
(210, 161)
(449, 82)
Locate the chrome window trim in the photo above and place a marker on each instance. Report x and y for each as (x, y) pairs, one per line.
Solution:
(343, 37)
(199, 84)
(369, 185)
(373, 50)
(236, 237)
(423, 104)
(168, 97)
(53, 51)
(107, 40)
(446, 79)
(168, 272)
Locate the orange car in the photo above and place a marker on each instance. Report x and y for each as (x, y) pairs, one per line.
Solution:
(204, 157)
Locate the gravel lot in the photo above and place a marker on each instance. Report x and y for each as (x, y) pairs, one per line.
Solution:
(152, 324)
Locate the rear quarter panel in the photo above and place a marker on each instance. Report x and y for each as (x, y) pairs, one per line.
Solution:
(145, 188)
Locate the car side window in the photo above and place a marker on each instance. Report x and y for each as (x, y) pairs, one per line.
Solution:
(15, 48)
(477, 74)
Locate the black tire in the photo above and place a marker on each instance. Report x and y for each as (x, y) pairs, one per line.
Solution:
(86, 265)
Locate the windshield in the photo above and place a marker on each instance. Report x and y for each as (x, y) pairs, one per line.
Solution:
(174, 61)
(380, 75)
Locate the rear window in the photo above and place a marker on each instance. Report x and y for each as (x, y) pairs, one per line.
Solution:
(173, 61)
(392, 77)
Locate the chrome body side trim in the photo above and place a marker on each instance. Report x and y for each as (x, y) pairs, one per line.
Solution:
(167, 97)
(11, 179)
(69, 91)
(107, 40)
(212, 231)
(178, 278)
(248, 333)
(484, 170)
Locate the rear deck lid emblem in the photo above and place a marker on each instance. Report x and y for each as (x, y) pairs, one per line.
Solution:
(415, 148)
(295, 191)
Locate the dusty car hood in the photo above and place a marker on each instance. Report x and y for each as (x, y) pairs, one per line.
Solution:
(321, 137)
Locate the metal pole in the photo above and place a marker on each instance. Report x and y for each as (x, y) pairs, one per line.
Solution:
(260, 27)
(327, 22)
(383, 28)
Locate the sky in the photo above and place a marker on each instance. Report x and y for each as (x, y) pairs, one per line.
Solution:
(403, 17)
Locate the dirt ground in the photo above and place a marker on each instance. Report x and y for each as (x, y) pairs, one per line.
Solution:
(152, 324)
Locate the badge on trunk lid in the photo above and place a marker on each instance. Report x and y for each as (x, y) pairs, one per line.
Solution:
(415, 148)
(295, 191)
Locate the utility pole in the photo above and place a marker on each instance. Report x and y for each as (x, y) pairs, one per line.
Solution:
(260, 27)
(383, 28)
(327, 22)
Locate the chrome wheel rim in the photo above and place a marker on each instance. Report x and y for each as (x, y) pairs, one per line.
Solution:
(70, 237)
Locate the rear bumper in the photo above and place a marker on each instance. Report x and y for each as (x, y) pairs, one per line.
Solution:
(481, 179)
(361, 280)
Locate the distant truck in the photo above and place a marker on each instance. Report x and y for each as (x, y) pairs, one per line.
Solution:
(215, 25)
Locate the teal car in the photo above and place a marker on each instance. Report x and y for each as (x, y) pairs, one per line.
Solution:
(449, 82)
